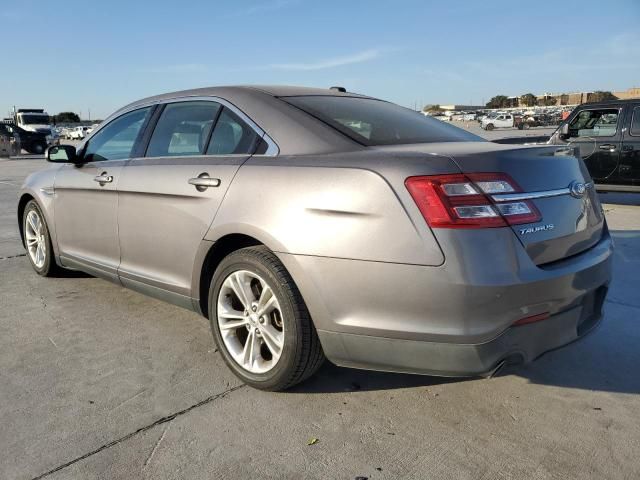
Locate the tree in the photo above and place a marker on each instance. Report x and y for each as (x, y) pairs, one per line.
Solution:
(600, 96)
(528, 100)
(66, 117)
(499, 101)
(432, 108)
(550, 101)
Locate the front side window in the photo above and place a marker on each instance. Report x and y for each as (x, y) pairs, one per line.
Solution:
(183, 129)
(601, 122)
(373, 122)
(116, 140)
(635, 123)
(232, 136)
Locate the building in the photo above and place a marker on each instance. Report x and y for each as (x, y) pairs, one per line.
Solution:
(461, 108)
(633, 92)
(577, 98)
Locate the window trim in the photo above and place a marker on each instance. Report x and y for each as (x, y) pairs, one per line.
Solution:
(634, 108)
(593, 109)
(272, 147)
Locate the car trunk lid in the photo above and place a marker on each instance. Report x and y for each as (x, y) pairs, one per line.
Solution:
(572, 221)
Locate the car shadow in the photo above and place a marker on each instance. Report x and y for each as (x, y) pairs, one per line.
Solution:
(65, 273)
(333, 379)
(605, 360)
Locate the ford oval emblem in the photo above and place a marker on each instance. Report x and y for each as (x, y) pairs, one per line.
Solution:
(577, 189)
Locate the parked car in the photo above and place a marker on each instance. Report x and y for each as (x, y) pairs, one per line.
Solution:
(9, 143)
(78, 133)
(311, 223)
(607, 135)
(32, 142)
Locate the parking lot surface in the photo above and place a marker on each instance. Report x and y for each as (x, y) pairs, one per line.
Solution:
(100, 382)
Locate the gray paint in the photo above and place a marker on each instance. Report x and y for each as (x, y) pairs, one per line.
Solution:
(341, 220)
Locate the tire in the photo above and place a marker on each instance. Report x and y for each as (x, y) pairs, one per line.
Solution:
(37, 148)
(526, 126)
(46, 267)
(288, 324)
(490, 126)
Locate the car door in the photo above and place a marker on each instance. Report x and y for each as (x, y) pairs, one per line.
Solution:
(169, 197)
(630, 154)
(86, 198)
(597, 132)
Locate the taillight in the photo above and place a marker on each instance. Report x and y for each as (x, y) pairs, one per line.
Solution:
(463, 201)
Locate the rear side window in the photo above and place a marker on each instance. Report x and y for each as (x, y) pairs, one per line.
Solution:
(635, 122)
(232, 136)
(375, 122)
(183, 129)
(601, 122)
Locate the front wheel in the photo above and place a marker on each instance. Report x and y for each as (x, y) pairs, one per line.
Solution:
(38, 241)
(490, 127)
(260, 322)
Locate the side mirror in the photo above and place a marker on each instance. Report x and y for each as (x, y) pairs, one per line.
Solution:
(62, 154)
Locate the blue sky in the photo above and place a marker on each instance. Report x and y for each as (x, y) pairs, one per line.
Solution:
(80, 55)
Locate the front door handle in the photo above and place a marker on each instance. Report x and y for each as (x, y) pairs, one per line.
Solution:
(607, 146)
(103, 178)
(204, 181)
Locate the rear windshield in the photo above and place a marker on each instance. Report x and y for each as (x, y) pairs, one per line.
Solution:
(375, 122)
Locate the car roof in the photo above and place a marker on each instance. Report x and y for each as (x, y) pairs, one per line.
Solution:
(238, 90)
(294, 131)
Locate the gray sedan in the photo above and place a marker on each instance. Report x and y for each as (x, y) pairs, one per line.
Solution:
(315, 223)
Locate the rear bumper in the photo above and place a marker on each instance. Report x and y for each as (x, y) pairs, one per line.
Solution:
(520, 345)
(456, 319)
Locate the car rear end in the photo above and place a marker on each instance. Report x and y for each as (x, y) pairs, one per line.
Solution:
(527, 258)
(527, 268)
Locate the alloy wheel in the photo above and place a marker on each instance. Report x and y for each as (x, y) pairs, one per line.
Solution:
(250, 321)
(36, 239)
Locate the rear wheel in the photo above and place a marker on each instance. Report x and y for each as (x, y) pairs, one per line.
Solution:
(38, 241)
(260, 323)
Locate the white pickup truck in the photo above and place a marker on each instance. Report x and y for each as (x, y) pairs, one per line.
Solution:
(503, 120)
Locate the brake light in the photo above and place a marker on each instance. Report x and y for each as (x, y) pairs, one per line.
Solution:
(463, 201)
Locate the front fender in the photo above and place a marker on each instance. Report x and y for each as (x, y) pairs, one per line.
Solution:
(40, 187)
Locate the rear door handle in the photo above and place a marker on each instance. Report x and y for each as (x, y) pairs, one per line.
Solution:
(103, 178)
(607, 146)
(204, 181)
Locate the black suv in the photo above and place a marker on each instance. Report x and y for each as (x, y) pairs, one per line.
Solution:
(32, 142)
(608, 136)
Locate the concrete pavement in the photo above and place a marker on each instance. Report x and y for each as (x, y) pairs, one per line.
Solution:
(100, 382)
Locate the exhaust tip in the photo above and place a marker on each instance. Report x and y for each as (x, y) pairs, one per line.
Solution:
(506, 365)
